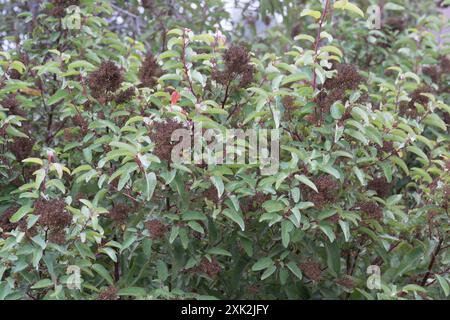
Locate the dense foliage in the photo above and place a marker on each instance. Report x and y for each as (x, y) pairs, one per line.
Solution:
(88, 185)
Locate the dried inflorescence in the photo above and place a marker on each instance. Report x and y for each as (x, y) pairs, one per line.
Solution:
(328, 189)
(52, 213)
(14, 74)
(438, 72)
(70, 135)
(156, 228)
(289, 106)
(418, 97)
(409, 109)
(13, 106)
(210, 268)
(211, 194)
(311, 270)
(109, 293)
(106, 79)
(445, 65)
(388, 147)
(347, 78)
(253, 203)
(237, 67)
(148, 4)
(22, 148)
(334, 89)
(371, 210)
(57, 236)
(396, 23)
(119, 213)
(381, 186)
(296, 30)
(8, 226)
(5, 224)
(432, 72)
(161, 136)
(346, 282)
(81, 123)
(125, 95)
(334, 219)
(59, 7)
(150, 71)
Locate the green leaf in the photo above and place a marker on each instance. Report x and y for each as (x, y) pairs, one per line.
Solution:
(58, 96)
(150, 178)
(269, 271)
(24, 210)
(219, 251)
(262, 264)
(444, 284)
(312, 13)
(295, 269)
(218, 183)
(161, 268)
(295, 78)
(33, 160)
(286, 228)
(330, 170)
(235, 216)
(103, 273)
(333, 258)
(132, 291)
(196, 227)
(273, 206)
(328, 230)
(305, 180)
(44, 283)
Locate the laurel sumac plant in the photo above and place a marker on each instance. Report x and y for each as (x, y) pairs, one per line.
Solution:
(93, 205)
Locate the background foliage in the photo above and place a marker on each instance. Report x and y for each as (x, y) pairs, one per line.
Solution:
(87, 111)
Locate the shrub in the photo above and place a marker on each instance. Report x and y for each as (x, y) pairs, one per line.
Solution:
(93, 206)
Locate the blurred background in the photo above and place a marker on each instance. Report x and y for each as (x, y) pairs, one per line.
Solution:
(247, 20)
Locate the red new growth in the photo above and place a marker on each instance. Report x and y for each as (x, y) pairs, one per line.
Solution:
(175, 97)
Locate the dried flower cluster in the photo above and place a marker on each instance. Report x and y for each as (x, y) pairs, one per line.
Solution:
(150, 71)
(237, 67)
(346, 282)
(311, 270)
(381, 186)
(347, 78)
(79, 121)
(418, 97)
(210, 268)
(327, 194)
(8, 226)
(59, 7)
(106, 79)
(388, 147)
(148, 4)
(119, 213)
(371, 210)
(13, 106)
(109, 293)
(5, 224)
(21, 148)
(395, 23)
(296, 30)
(161, 136)
(289, 106)
(211, 194)
(156, 228)
(253, 203)
(53, 215)
(125, 95)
